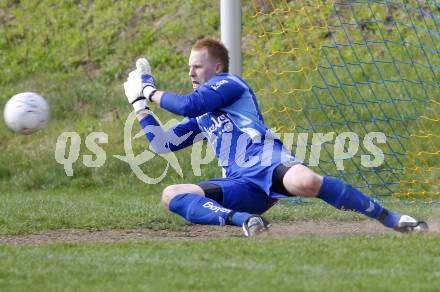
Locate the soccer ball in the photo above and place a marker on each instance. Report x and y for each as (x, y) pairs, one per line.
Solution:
(26, 112)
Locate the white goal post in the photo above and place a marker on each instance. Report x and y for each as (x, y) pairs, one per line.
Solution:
(230, 21)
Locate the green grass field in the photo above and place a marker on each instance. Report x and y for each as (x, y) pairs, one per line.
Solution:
(387, 263)
(77, 54)
(34, 212)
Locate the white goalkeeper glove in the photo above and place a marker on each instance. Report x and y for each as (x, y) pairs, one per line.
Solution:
(140, 85)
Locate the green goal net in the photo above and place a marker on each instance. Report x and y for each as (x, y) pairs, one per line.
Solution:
(353, 87)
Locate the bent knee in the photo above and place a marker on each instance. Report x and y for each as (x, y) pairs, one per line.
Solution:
(172, 191)
(310, 184)
(168, 194)
(301, 180)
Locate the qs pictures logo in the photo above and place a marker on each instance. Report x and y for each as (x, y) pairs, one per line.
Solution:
(67, 157)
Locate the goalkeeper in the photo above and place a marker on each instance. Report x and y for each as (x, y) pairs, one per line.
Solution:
(223, 109)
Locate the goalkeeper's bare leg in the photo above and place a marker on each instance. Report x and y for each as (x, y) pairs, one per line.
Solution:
(300, 180)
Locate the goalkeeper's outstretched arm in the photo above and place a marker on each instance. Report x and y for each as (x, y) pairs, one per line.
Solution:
(206, 98)
(178, 137)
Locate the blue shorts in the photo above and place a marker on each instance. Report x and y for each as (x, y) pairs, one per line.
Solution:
(238, 194)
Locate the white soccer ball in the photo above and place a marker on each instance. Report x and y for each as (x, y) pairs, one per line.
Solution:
(26, 112)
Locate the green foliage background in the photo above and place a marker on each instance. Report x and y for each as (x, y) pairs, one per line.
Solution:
(78, 53)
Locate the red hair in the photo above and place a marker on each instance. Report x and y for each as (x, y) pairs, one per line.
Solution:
(216, 50)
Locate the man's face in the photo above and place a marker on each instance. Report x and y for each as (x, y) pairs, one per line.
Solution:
(201, 67)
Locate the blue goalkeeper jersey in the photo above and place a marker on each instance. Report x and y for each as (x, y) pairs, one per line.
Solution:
(225, 111)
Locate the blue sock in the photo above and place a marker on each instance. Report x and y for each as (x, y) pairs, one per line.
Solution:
(238, 218)
(343, 196)
(391, 219)
(201, 210)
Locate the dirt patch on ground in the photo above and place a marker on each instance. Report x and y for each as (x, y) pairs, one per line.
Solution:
(277, 230)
